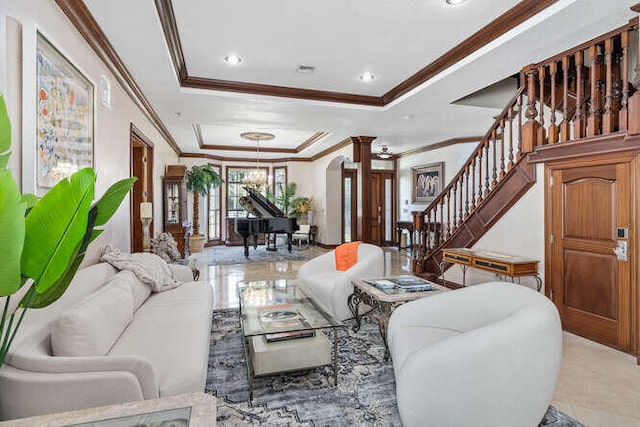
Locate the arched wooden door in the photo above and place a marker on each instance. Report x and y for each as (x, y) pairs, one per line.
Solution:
(590, 213)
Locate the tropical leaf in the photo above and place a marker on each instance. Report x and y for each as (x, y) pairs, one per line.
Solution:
(30, 200)
(5, 133)
(12, 228)
(4, 160)
(55, 227)
(111, 200)
(40, 300)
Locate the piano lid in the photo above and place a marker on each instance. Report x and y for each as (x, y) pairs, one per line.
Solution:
(261, 204)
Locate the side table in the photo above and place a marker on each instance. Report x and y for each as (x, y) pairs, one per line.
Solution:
(382, 303)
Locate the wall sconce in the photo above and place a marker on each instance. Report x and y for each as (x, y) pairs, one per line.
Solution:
(146, 215)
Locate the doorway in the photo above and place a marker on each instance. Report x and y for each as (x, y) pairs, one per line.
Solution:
(142, 168)
(383, 201)
(590, 218)
(349, 205)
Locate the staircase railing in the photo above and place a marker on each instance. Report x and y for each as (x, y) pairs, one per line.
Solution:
(580, 93)
(493, 158)
(585, 91)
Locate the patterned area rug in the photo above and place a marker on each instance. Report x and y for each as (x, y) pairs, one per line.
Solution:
(365, 395)
(225, 255)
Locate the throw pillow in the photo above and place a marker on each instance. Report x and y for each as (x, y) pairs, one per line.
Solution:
(93, 325)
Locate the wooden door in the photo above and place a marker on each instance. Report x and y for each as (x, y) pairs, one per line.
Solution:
(142, 168)
(382, 226)
(590, 208)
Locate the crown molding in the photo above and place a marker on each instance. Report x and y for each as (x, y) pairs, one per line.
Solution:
(499, 26)
(345, 142)
(306, 144)
(441, 144)
(82, 19)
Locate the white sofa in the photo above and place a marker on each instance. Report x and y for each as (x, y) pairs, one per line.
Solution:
(486, 355)
(130, 345)
(331, 287)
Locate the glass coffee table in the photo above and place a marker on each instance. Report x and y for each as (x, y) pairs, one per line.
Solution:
(282, 330)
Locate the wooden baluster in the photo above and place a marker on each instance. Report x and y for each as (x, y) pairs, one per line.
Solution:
(441, 236)
(529, 131)
(623, 118)
(565, 130)
(578, 117)
(520, 128)
(501, 136)
(487, 185)
(608, 118)
(427, 236)
(494, 174)
(455, 201)
(449, 226)
(593, 121)
(553, 128)
(479, 156)
(510, 118)
(461, 206)
(466, 198)
(542, 132)
(473, 183)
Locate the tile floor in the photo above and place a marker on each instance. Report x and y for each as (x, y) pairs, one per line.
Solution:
(598, 386)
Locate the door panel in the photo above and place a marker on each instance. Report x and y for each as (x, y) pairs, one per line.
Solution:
(590, 286)
(382, 208)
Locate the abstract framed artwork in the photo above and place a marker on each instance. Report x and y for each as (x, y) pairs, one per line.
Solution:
(65, 116)
(426, 182)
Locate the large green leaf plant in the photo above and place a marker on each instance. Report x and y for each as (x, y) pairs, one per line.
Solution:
(43, 241)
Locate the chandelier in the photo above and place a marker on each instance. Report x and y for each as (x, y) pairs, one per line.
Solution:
(385, 152)
(257, 178)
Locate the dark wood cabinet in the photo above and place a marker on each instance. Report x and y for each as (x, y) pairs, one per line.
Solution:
(176, 220)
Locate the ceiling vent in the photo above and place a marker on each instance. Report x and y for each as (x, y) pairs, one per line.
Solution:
(305, 69)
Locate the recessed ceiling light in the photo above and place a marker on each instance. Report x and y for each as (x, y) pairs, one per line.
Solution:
(455, 2)
(367, 77)
(233, 60)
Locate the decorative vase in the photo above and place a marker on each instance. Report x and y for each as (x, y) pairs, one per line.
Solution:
(196, 243)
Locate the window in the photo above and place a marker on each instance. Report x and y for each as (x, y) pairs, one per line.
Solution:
(235, 176)
(215, 195)
(279, 181)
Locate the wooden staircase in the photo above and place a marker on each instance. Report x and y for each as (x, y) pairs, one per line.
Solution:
(577, 95)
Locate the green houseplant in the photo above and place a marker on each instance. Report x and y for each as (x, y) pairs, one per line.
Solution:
(290, 206)
(43, 241)
(199, 180)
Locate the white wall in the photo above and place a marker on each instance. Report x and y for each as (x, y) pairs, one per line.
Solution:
(519, 232)
(453, 157)
(112, 126)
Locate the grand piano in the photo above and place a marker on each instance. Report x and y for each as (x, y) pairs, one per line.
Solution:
(268, 219)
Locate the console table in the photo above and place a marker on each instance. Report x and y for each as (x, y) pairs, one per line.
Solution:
(502, 264)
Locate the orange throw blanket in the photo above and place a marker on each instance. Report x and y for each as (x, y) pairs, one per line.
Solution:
(346, 255)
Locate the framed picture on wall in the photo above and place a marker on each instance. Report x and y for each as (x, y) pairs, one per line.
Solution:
(65, 116)
(427, 181)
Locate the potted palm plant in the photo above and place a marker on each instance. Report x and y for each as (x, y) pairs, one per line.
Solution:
(43, 241)
(199, 180)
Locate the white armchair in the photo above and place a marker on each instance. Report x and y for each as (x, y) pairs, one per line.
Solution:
(331, 287)
(303, 233)
(486, 355)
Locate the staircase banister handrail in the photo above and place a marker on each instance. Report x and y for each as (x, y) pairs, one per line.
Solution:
(631, 25)
(474, 153)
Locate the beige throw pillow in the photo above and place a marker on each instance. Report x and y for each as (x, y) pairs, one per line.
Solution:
(92, 326)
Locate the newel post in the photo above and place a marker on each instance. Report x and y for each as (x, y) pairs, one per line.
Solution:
(531, 127)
